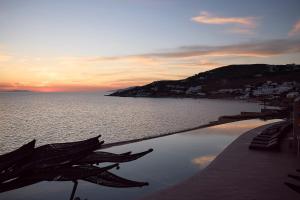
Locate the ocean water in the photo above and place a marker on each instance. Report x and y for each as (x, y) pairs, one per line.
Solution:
(63, 117)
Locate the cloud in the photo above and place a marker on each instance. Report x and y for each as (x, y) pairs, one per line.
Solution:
(203, 161)
(250, 49)
(96, 72)
(184, 56)
(110, 60)
(193, 64)
(241, 25)
(295, 30)
(208, 18)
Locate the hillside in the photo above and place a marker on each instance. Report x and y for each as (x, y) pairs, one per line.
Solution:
(233, 81)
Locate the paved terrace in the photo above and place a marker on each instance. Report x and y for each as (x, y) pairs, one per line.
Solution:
(240, 173)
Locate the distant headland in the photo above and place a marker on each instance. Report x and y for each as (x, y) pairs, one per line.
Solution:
(16, 91)
(247, 82)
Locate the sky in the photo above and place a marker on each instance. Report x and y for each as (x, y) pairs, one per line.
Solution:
(90, 45)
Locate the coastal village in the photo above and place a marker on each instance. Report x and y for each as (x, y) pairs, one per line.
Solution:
(273, 83)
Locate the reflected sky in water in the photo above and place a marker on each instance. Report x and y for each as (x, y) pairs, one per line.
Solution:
(174, 159)
(203, 161)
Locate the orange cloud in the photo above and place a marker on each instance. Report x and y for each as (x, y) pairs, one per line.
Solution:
(208, 18)
(129, 59)
(85, 73)
(244, 25)
(295, 30)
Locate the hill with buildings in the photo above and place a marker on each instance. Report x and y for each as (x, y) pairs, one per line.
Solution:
(253, 81)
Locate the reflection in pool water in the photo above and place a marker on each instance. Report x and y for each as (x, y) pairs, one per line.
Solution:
(168, 164)
(203, 161)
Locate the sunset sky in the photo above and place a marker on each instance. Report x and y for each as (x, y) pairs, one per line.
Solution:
(80, 45)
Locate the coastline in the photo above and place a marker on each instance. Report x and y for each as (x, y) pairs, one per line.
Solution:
(250, 100)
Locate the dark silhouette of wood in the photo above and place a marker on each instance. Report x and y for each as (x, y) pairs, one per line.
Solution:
(74, 190)
(10, 160)
(70, 161)
(99, 157)
(294, 187)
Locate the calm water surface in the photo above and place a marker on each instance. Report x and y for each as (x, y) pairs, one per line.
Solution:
(61, 117)
(174, 159)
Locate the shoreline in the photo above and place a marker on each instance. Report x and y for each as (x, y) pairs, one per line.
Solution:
(251, 100)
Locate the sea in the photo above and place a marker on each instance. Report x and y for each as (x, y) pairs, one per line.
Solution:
(65, 117)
